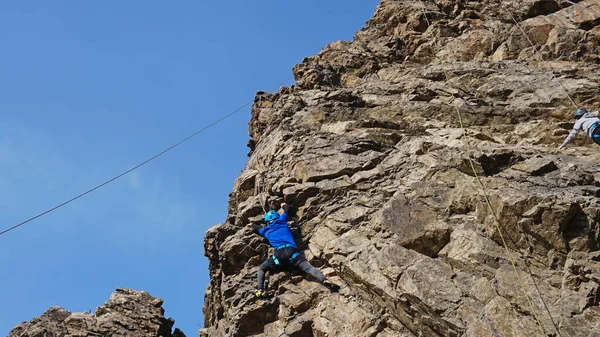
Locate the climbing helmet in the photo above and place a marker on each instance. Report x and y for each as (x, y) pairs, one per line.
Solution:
(580, 112)
(271, 216)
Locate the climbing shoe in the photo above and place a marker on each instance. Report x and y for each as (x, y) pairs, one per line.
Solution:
(331, 285)
(260, 294)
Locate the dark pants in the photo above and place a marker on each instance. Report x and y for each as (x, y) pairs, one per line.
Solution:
(596, 135)
(283, 256)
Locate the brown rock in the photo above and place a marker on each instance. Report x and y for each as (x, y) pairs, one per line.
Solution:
(369, 148)
(536, 166)
(127, 313)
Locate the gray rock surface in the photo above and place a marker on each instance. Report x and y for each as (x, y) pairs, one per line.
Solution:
(368, 149)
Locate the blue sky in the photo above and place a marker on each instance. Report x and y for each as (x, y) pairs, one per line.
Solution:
(89, 89)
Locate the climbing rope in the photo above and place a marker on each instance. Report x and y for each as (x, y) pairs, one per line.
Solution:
(485, 194)
(260, 190)
(596, 14)
(537, 51)
(137, 166)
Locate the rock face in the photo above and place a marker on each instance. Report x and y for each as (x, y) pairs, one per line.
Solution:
(127, 313)
(368, 149)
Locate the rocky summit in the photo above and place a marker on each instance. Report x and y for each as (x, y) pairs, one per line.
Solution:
(369, 151)
(127, 313)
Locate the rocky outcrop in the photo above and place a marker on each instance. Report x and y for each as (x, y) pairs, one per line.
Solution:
(127, 313)
(368, 149)
(431, 228)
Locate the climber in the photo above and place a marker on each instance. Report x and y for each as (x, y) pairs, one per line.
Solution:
(286, 253)
(584, 121)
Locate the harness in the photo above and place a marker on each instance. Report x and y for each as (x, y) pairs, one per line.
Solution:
(591, 129)
(292, 258)
(276, 260)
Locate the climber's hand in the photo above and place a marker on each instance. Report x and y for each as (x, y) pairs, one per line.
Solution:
(255, 228)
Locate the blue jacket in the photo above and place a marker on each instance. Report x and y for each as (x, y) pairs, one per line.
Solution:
(278, 233)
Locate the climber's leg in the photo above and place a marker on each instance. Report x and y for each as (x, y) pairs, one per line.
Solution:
(268, 265)
(308, 268)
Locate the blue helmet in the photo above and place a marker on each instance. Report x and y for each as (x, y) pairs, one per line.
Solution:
(580, 112)
(271, 216)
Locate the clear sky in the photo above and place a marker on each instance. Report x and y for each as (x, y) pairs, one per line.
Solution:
(91, 88)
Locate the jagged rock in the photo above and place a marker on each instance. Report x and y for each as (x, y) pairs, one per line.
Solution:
(536, 166)
(126, 313)
(369, 149)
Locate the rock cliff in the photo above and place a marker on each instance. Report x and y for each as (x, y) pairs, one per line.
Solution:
(127, 313)
(367, 147)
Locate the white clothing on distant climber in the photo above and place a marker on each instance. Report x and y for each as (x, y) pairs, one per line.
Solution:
(585, 121)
